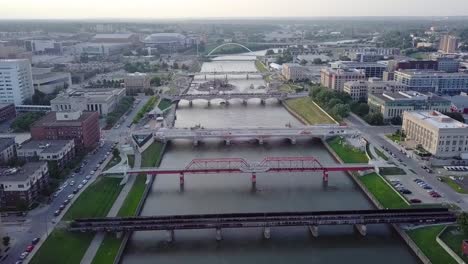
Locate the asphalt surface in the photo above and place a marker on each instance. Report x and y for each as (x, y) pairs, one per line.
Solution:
(41, 220)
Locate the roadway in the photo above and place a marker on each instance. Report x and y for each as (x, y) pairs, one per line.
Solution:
(376, 136)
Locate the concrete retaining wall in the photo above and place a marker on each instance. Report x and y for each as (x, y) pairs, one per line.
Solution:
(424, 259)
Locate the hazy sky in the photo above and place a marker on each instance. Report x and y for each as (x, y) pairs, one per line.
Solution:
(227, 8)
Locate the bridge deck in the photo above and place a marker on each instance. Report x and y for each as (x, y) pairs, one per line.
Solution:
(244, 220)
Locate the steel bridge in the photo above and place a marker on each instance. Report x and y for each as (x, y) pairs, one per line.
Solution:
(260, 134)
(241, 166)
(229, 96)
(359, 218)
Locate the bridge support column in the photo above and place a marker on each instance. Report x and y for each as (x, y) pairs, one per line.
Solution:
(293, 141)
(266, 233)
(362, 229)
(227, 102)
(118, 235)
(314, 230)
(228, 142)
(262, 101)
(195, 142)
(209, 103)
(325, 176)
(260, 141)
(190, 103)
(219, 235)
(181, 181)
(254, 181)
(170, 236)
(244, 102)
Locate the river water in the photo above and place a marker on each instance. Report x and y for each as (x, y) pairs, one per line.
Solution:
(276, 192)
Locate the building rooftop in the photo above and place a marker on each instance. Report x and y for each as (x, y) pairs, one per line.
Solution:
(409, 96)
(6, 142)
(430, 73)
(50, 120)
(46, 146)
(113, 36)
(437, 119)
(20, 173)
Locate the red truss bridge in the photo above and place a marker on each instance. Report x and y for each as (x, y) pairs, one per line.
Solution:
(240, 166)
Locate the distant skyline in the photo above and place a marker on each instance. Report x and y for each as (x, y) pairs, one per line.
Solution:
(163, 9)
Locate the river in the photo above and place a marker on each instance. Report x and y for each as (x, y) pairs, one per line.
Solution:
(276, 192)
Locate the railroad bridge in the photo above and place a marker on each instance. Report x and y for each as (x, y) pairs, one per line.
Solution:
(359, 218)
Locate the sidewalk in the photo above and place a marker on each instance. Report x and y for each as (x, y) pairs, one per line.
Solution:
(99, 237)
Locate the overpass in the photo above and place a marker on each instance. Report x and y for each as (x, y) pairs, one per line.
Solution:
(229, 96)
(358, 218)
(241, 166)
(260, 134)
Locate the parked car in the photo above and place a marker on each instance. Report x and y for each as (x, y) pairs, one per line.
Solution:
(30, 248)
(72, 183)
(57, 213)
(62, 206)
(415, 201)
(36, 240)
(71, 196)
(88, 177)
(66, 202)
(75, 191)
(80, 186)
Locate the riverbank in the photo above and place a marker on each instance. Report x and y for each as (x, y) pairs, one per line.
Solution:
(308, 112)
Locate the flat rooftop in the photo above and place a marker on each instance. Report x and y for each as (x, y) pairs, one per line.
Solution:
(437, 119)
(409, 96)
(50, 120)
(46, 146)
(20, 173)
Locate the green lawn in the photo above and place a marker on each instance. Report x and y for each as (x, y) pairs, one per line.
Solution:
(114, 161)
(454, 185)
(386, 195)
(145, 109)
(395, 138)
(107, 250)
(133, 198)
(305, 108)
(380, 153)
(96, 200)
(67, 247)
(425, 238)
(261, 67)
(454, 238)
(391, 171)
(346, 152)
(151, 157)
(164, 104)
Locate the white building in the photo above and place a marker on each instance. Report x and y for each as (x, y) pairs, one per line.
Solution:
(49, 82)
(44, 46)
(439, 134)
(359, 90)
(294, 72)
(16, 83)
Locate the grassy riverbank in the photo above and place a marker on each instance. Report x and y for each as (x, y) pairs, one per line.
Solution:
(309, 111)
(67, 247)
(385, 194)
(346, 152)
(425, 238)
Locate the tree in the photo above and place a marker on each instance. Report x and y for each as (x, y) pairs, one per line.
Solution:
(156, 81)
(396, 121)
(462, 221)
(303, 62)
(341, 110)
(175, 66)
(360, 109)
(375, 119)
(344, 58)
(334, 102)
(6, 241)
(317, 61)
(23, 123)
(116, 153)
(269, 52)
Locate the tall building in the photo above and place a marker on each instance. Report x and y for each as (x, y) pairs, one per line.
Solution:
(393, 104)
(137, 83)
(83, 127)
(359, 90)
(49, 82)
(372, 69)
(439, 134)
(7, 150)
(16, 82)
(44, 46)
(433, 81)
(448, 64)
(294, 72)
(335, 78)
(448, 44)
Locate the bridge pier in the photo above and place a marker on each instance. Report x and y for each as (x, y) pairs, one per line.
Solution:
(244, 102)
(227, 102)
(362, 229)
(293, 141)
(169, 236)
(262, 101)
(219, 235)
(325, 176)
(254, 181)
(260, 141)
(181, 181)
(190, 103)
(209, 103)
(118, 235)
(314, 230)
(195, 142)
(228, 142)
(266, 233)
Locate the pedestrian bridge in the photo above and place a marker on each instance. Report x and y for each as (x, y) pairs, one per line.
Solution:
(229, 96)
(260, 134)
(358, 218)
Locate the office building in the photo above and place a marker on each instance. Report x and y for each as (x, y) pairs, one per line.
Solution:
(359, 90)
(8, 51)
(294, 72)
(115, 38)
(57, 151)
(417, 65)
(101, 100)
(49, 82)
(44, 46)
(101, 49)
(371, 69)
(172, 41)
(16, 84)
(439, 134)
(433, 81)
(83, 127)
(137, 83)
(372, 50)
(7, 112)
(20, 187)
(448, 64)
(7, 150)
(448, 44)
(393, 104)
(335, 78)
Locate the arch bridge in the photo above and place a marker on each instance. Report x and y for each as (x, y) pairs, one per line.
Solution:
(228, 44)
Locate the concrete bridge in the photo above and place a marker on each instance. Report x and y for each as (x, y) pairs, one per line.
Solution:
(229, 96)
(260, 134)
(312, 220)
